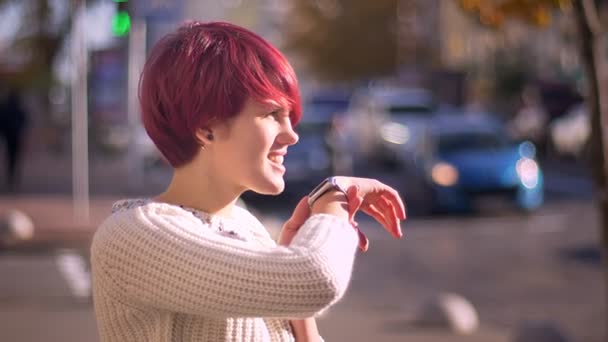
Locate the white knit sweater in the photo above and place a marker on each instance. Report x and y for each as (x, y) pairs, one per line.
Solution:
(165, 273)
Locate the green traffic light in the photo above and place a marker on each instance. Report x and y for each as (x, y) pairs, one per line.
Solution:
(121, 23)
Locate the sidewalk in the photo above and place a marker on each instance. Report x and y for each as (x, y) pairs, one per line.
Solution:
(509, 266)
(54, 218)
(44, 193)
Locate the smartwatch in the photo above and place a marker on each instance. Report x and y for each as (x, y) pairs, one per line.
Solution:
(326, 185)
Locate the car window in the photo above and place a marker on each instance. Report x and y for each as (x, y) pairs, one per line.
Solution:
(410, 109)
(455, 142)
(327, 107)
(312, 128)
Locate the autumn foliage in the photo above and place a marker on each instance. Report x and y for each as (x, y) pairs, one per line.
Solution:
(494, 13)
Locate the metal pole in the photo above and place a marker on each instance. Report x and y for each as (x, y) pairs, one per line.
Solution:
(80, 139)
(136, 60)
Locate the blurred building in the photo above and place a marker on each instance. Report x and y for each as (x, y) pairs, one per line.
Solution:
(441, 36)
(548, 56)
(261, 16)
(551, 51)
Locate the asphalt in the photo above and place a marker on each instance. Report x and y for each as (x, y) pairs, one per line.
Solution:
(36, 289)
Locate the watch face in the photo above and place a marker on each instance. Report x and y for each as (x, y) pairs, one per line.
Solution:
(318, 187)
(318, 191)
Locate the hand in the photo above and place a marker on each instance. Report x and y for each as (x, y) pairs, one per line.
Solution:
(297, 219)
(375, 199)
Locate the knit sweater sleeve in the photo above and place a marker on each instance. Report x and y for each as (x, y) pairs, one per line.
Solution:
(157, 258)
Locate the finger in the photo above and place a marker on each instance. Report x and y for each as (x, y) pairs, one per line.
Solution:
(300, 214)
(391, 216)
(376, 213)
(389, 219)
(363, 241)
(352, 192)
(395, 199)
(354, 202)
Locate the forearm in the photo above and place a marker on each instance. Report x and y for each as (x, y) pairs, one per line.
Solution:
(166, 252)
(305, 330)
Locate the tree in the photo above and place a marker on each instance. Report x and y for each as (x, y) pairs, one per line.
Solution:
(350, 40)
(592, 36)
(39, 41)
(494, 13)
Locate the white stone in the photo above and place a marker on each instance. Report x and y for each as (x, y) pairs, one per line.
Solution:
(73, 267)
(15, 226)
(451, 311)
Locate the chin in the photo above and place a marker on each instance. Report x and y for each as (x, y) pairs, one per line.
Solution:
(277, 190)
(271, 187)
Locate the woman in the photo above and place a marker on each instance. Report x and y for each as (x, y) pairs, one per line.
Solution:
(220, 103)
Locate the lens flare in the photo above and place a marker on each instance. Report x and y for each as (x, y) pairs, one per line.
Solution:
(527, 170)
(444, 174)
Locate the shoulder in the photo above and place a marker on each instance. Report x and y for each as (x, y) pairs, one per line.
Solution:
(141, 219)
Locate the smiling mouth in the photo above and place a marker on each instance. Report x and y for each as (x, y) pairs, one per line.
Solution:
(277, 159)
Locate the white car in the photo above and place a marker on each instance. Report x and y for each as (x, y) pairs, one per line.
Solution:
(570, 133)
(391, 123)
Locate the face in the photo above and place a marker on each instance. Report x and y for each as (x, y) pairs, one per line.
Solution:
(249, 150)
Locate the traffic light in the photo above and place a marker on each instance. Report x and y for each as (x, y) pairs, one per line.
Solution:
(121, 22)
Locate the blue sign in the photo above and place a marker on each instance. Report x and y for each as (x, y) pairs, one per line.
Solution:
(158, 9)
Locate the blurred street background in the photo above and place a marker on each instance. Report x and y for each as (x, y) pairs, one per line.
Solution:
(481, 113)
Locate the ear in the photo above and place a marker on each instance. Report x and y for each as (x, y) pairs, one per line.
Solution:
(204, 136)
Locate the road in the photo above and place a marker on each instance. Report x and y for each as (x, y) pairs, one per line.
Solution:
(512, 267)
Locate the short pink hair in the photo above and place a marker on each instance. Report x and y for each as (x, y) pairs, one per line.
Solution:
(203, 73)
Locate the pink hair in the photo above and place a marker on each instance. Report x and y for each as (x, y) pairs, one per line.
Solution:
(203, 73)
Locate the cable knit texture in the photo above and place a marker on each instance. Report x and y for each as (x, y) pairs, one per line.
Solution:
(164, 273)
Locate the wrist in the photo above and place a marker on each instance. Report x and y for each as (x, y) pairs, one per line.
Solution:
(342, 182)
(331, 202)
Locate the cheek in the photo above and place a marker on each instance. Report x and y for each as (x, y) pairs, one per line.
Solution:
(244, 155)
(260, 140)
(251, 145)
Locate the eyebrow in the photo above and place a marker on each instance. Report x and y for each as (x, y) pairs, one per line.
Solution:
(275, 105)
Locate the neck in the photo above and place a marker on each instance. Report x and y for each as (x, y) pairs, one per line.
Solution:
(200, 190)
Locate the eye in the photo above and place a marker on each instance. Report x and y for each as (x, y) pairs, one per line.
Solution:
(276, 114)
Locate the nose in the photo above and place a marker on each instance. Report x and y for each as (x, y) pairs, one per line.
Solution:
(288, 136)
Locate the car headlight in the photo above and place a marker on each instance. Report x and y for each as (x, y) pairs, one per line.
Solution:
(444, 174)
(527, 149)
(528, 172)
(395, 133)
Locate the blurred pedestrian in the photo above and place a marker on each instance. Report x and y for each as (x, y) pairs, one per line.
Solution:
(339, 144)
(530, 122)
(188, 265)
(13, 124)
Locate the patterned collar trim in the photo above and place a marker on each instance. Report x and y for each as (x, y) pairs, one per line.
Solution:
(212, 220)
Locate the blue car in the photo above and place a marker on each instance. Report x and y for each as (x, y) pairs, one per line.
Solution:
(475, 161)
(311, 159)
